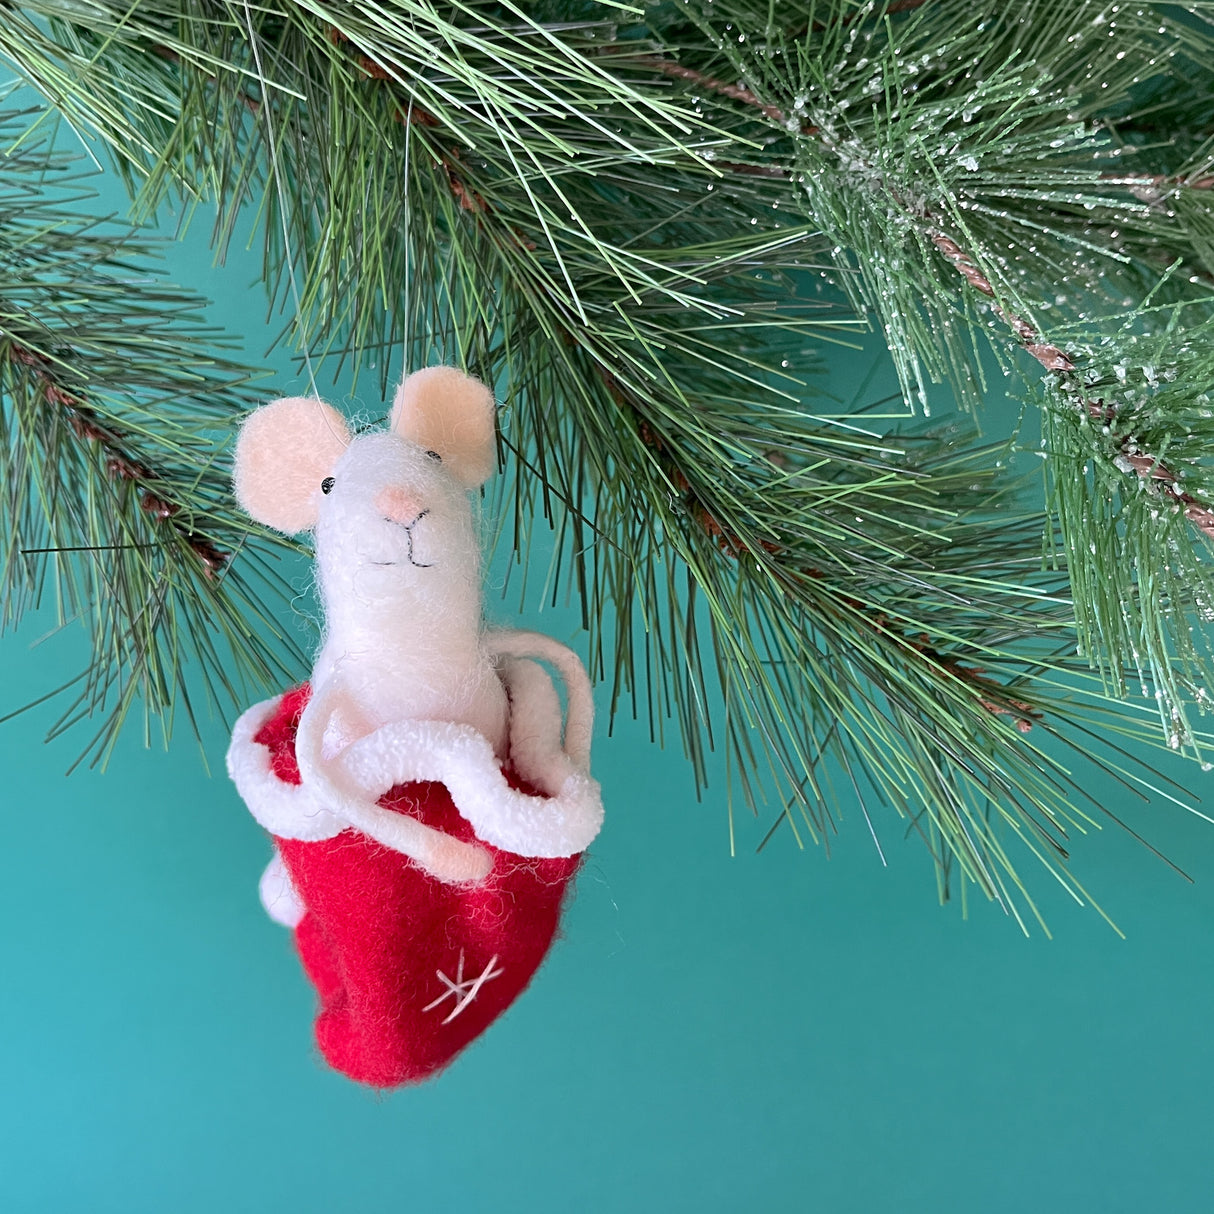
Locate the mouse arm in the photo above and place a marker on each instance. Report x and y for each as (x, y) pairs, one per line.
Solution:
(579, 721)
(561, 821)
(439, 854)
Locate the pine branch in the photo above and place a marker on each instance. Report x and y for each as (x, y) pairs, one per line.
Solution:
(119, 462)
(623, 226)
(109, 403)
(1130, 458)
(992, 696)
(1149, 467)
(938, 211)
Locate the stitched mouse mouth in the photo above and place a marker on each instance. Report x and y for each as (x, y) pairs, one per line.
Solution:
(408, 527)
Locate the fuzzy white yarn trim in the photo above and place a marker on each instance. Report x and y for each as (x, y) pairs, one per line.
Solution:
(544, 826)
(278, 895)
(344, 789)
(289, 811)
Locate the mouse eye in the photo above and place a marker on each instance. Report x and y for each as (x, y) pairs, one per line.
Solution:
(326, 486)
(434, 455)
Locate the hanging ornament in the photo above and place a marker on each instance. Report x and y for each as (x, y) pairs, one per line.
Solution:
(428, 801)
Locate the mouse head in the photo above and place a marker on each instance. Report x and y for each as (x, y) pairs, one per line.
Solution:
(390, 508)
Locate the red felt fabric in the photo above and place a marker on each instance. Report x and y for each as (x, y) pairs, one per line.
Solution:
(379, 931)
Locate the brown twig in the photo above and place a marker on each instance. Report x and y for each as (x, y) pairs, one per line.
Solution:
(412, 114)
(991, 695)
(1054, 359)
(119, 463)
(676, 71)
(1050, 356)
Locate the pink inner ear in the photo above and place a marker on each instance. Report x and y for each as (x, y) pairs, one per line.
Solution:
(444, 410)
(284, 451)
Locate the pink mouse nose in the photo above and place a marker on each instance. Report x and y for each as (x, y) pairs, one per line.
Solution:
(398, 504)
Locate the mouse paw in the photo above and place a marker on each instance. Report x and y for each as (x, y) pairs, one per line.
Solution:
(278, 895)
(454, 862)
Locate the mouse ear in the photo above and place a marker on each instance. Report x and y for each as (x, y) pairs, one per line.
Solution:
(444, 410)
(283, 452)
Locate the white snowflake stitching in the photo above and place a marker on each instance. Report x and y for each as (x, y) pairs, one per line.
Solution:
(464, 990)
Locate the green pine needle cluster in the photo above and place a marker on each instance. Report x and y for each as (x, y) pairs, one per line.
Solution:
(113, 394)
(648, 226)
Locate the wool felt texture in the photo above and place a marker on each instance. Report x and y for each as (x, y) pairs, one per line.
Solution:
(428, 801)
(277, 485)
(409, 969)
(398, 564)
(558, 814)
(462, 430)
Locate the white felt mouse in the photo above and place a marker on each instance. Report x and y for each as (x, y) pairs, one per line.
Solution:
(409, 684)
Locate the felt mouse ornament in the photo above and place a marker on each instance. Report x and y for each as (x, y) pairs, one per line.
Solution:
(428, 800)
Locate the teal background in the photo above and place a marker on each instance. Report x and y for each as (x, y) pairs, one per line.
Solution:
(774, 1032)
